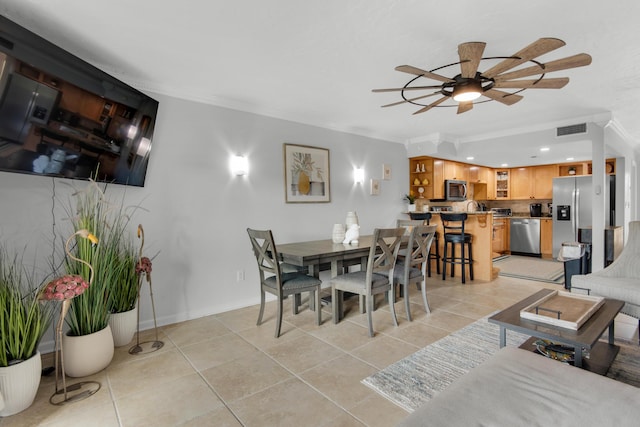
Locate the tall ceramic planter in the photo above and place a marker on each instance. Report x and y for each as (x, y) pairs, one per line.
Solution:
(123, 326)
(87, 354)
(19, 385)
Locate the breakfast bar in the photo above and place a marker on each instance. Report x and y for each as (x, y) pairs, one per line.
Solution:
(480, 225)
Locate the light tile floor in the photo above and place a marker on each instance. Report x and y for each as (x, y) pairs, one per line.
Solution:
(223, 370)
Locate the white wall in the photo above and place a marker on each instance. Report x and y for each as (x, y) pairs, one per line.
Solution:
(197, 212)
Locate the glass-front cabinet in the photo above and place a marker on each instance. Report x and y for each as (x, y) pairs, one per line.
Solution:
(503, 187)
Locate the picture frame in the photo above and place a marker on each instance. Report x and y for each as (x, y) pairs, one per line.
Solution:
(374, 187)
(306, 174)
(386, 171)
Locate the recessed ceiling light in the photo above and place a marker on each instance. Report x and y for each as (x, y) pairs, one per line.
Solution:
(569, 158)
(504, 165)
(470, 158)
(545, 149)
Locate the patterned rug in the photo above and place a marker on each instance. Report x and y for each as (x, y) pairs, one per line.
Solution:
(417, 378)
(524, 267)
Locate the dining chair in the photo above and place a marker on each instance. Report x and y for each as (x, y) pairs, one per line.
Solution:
(275, 281)
(434, 255)
(412, 269)
(377, 278)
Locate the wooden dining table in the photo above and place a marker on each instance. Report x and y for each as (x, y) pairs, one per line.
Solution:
(317, 255)
(324, 254)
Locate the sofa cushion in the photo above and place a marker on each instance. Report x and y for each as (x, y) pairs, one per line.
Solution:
(516, 387)
(622, 288)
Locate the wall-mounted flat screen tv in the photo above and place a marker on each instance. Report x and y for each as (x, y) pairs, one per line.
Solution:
(61, 116)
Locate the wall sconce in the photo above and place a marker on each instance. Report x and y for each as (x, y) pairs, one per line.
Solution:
(358, 175)
(239, 165)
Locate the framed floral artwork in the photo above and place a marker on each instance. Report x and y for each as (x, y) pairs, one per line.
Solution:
(306, 174)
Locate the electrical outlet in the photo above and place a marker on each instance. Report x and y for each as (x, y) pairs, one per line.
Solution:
(240, 275)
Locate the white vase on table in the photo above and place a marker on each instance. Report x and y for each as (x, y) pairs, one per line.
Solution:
(338, 233)
(352, 219)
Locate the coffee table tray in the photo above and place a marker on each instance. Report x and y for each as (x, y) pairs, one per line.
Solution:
(563, 309)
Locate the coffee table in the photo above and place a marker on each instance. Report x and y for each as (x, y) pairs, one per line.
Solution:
(601, 354)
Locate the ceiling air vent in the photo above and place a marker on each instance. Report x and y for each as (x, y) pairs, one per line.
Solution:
(571, 130)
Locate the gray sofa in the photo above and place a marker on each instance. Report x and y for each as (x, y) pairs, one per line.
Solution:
(517, 387)
(621, 279)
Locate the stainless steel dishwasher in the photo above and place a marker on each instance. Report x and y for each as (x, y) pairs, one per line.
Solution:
(525, 236)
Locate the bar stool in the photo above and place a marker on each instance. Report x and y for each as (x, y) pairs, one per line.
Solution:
(434, 254)
(453, 225)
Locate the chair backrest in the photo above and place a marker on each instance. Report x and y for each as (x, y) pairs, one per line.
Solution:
(627, 265)
(383, 253)
(424, 216)
(420, 241)
(453, 222)
(408, 224)
(264, 248)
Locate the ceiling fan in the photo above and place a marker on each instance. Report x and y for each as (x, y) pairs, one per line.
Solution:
(470, 85)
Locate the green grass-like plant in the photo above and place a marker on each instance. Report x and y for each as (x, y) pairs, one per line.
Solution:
(89, 312)
(124, 291)
(23, 318)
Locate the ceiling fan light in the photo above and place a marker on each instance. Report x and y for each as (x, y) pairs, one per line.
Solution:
(467, 93)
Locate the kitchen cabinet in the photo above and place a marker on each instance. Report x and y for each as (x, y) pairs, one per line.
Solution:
(455, 170)
(500, 237)
(585, 168)
(534, 182)
(546, 237)
(438, 179)
(502, 185)
(421, 177)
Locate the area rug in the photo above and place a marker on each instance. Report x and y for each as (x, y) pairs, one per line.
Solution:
(531, 268)
(417, 378)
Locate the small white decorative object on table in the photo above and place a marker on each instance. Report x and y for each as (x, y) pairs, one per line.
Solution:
(352, 218)
(338, 233)
(352, 235)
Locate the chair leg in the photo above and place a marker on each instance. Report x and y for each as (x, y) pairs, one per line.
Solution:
(261, 308)
(437, 256)
(318, 306)
(392, 305)
(335, 305)
(444, 262)
(297, 298)
(369, 301)
(361, 300)
(279, 318)
(470, 262)
(406, 301)
(424, 297)
(462, 262)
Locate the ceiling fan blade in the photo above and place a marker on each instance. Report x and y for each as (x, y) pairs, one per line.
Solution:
(579, 60)
(433, 104)
(411, 99)
(502, 97)
(470, 54)
(535, 49)
(532, 84)
(398, 89)
(419, 72)
(463, 107)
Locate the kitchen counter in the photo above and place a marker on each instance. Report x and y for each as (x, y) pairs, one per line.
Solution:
(85, 139)
(480, 225)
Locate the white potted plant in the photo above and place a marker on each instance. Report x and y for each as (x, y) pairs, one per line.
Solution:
(411, 202)
(23, 321)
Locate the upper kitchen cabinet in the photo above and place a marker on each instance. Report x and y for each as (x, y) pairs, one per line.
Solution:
(534, 182)
(502, 184)
(421, 177)
(483, 182)
(455, 170)
(585, 168)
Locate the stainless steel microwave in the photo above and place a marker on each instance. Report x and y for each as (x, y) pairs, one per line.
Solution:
(455, 190)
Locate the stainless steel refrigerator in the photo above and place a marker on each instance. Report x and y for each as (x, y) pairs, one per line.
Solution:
(572, 205)
(24, 102)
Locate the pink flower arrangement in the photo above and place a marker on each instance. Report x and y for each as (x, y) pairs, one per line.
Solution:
(143, 266)
(65, 287)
